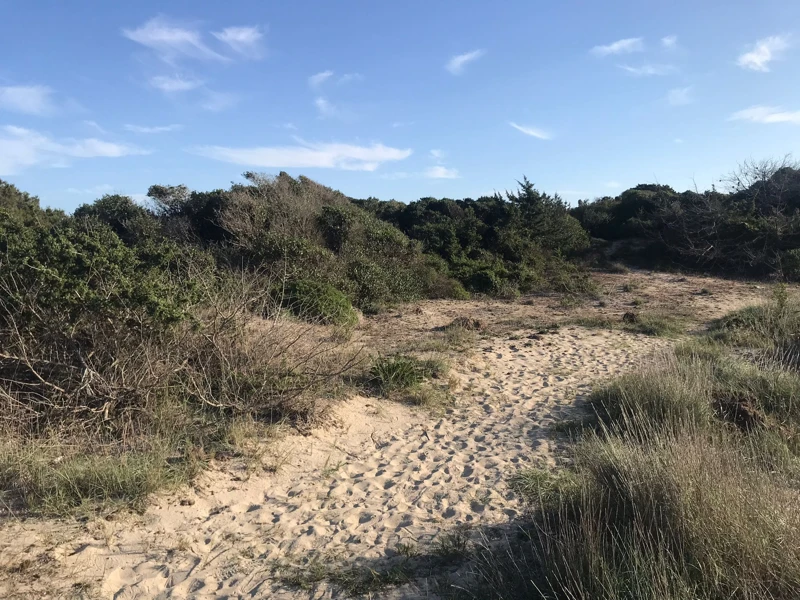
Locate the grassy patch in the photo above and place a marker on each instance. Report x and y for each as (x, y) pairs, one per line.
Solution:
(648, 323)
(50, 481)
(687, 488)
(403, 372)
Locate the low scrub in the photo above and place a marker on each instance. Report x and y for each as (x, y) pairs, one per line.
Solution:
(684, 488)
(110, 412)
(318, 302)
(683, 516)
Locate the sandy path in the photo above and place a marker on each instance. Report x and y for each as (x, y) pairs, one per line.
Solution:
(384, 474)
(387, 474)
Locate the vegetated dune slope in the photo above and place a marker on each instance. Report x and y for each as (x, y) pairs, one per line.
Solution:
(381, 477)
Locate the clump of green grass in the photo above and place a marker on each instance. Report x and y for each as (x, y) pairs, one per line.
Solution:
(452, 545)
(431, 397)
(50, 479)
(654, 324)
(403, 372)
(354, 581)
(770, 325)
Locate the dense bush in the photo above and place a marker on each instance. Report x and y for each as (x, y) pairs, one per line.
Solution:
(752, 228)
(318, 302)
(494, 245)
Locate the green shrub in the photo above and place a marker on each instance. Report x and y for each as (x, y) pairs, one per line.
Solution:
(402, 372)
(318, 302)
(79, 272)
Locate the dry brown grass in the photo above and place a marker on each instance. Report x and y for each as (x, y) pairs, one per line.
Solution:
(124, 413)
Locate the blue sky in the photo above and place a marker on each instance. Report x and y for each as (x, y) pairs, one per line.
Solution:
(393, 100)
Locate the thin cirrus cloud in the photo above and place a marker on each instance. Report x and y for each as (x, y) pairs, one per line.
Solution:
(440, 172)
(246, 41)
(763, 52)
(152, 129)
(531, 131)
(669, 41)
(171, 42)
(767, 114)
(27, 99)
(348, 157)
(349, 77)
(458, 63)
(173, 84)
(218, 101)
(94, 125)
(680, 96)
(327, 110)
(647, 70)
(318, 79)
(624, 46)
(22, 148)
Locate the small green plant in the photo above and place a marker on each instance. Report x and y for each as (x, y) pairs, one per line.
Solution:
(630, 286)
(317, 301)
(403, 372)
(453, 545)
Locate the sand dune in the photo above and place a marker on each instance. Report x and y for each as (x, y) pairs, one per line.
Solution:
(385, 474)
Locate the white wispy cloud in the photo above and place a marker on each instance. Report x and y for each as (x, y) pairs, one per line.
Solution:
(153, 129)
(680, 96)
(218, 101)
(767, 114)
(531, 131)
(457, 63)
(318, 79)
(397, 124)
(440, 172)
(764, 52)
(94, 125)
(347, 157)
(176, 83)
(678, 140)
(437, 154)
(669, 41)
(172, 42)
(97, 190)
(325, 108)
(625, 46)
(27, 99)
(648, 70)
(243, 40)
(349, 77)
(21, 148)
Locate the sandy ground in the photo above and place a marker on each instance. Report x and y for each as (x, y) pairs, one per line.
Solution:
(383, 476)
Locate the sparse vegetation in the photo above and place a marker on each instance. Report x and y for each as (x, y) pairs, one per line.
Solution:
(685, 489)
(657, 324)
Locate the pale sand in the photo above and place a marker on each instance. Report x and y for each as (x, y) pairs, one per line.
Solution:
(385, 474)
